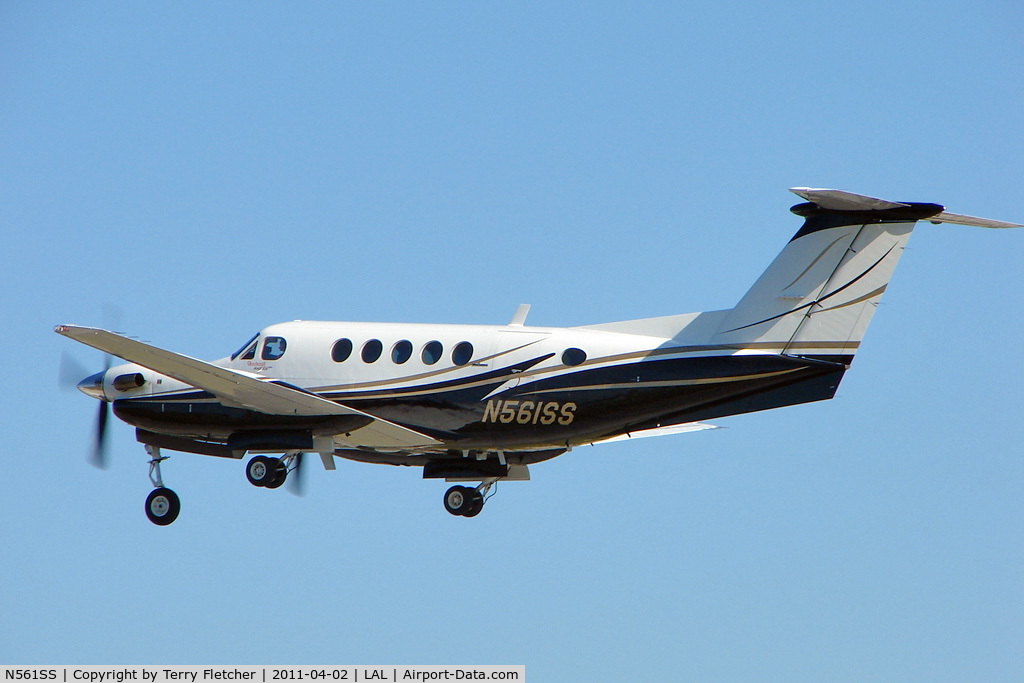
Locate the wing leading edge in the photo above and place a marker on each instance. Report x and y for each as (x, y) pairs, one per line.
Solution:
(241, 389)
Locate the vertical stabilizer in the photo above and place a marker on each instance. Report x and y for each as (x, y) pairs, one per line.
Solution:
(818, 295)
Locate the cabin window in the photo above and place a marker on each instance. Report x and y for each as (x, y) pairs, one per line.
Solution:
(432, 351)
(462, 353)
(245, 347)
(341, 350)
(372, 350)
(273, 348)
(574, 356)
(401, 351)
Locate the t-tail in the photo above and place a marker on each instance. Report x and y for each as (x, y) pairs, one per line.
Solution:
(817, 297)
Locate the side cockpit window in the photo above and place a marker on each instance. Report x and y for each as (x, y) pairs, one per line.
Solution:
(248, 349)
(273, 348)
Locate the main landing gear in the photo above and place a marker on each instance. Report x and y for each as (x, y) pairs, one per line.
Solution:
(270, 472)
(467, 501)
(162, 504)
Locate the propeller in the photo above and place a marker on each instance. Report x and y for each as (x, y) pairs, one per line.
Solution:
(295, 481)
(98, 456)
(72, 375)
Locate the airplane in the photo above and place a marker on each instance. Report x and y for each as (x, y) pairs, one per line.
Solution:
(480, 403)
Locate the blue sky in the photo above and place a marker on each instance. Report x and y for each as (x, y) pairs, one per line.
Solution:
(210, 169)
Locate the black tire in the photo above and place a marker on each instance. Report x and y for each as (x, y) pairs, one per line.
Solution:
(476, 504)
(162, 506)
(457, 500)
(261, 471)
(280, 473)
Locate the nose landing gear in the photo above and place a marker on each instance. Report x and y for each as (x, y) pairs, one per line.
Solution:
(162, 504)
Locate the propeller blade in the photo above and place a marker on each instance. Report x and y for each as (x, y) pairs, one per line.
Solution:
(98, 457)
(296, 484)
(71, 372)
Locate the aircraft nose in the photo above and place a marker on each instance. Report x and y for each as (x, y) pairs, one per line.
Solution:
(93, 386)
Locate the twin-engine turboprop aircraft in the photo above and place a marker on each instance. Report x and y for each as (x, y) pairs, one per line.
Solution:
(481, 403)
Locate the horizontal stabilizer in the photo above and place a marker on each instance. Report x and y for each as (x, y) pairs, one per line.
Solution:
(838, 200)
(959, 219)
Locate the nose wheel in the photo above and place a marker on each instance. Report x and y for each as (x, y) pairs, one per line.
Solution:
(162, 504)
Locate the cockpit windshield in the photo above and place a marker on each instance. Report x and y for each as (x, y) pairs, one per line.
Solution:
(245, 346)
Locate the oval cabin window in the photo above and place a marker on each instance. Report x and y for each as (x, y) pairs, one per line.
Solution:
(432, 351)
(462, 353)
(574, 356)
(401, 351)
(372, 350)
(341, 350)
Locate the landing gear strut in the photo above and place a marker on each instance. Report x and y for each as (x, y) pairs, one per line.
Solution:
(466, 501)
(162, 504)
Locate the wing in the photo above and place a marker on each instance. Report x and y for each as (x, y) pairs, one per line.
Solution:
(236, 388)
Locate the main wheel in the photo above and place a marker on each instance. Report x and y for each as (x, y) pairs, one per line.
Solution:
(261, 471)
(280, 473)
(162, 506)
(476, 503)
(458, 500)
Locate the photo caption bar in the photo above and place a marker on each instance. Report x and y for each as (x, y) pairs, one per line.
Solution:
(260, 674)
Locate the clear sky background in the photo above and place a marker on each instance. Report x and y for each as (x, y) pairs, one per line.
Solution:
(214, 169)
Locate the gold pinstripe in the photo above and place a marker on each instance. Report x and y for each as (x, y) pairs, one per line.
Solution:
(615, 358)
(667, 383)
(869, 295)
